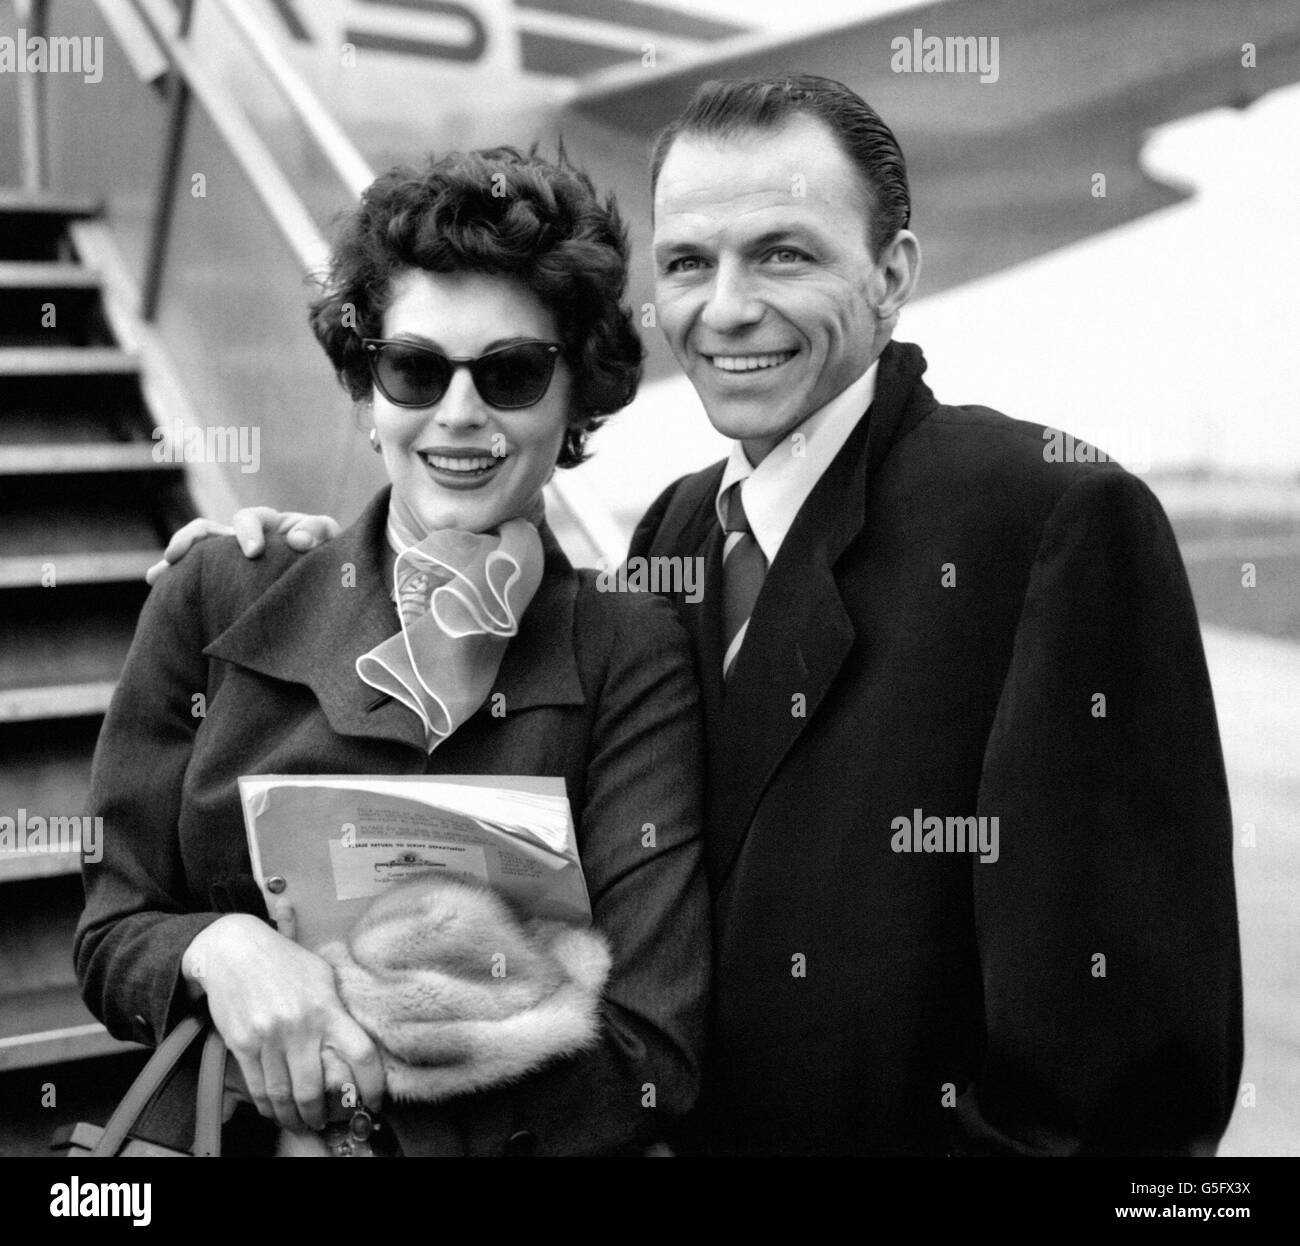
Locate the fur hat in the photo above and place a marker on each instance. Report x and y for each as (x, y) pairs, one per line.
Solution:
(460, 993)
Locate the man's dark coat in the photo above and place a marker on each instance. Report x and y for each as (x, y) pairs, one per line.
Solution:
(959, 626)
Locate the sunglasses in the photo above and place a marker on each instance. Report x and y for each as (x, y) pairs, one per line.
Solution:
(509, 377)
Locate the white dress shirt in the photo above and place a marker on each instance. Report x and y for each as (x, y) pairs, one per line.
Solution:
(776, 489)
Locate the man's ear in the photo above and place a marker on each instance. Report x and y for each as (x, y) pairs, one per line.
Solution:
(897, 272)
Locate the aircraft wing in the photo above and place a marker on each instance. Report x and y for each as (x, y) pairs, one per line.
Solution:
(1002, 169)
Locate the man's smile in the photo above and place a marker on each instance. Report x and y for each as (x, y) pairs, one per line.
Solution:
(752, 362)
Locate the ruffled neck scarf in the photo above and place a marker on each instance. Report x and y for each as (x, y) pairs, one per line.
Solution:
(460, 596)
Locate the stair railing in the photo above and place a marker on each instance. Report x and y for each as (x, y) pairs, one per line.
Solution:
(157, 37)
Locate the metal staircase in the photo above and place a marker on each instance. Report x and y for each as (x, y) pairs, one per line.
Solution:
(128, 306)
(84, 509)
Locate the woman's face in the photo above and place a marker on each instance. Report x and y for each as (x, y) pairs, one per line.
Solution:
(463, 463)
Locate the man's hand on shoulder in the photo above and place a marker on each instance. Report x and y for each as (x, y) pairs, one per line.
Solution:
(250, 526)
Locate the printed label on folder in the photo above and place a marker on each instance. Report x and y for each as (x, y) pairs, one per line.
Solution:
(327, 845)
(364, 867)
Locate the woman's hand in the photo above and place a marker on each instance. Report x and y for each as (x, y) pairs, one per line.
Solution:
(251, 525)
(275, 1005)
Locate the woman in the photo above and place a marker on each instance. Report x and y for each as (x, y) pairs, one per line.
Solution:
(474, 310)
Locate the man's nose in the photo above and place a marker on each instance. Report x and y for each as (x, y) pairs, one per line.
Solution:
(461, 406)
(731, 304)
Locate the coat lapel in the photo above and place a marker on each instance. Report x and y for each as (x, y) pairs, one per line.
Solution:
(690, 529)
(800, 632)
(334, 603)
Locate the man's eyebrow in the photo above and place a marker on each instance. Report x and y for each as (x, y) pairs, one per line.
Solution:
(676, 246)
(785, 233)
(801, 234)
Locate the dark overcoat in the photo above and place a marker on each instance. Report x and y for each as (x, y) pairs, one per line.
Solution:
(247, 667)
(960, 626)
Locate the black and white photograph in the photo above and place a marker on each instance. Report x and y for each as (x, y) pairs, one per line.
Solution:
(686, 579)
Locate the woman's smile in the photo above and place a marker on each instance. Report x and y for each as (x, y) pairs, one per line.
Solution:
(461, 467)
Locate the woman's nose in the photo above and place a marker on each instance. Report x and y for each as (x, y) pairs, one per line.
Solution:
(461, 406)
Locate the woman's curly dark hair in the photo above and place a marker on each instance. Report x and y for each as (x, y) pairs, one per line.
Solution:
(495, 210)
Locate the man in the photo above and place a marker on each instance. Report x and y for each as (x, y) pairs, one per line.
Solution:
(968, 829)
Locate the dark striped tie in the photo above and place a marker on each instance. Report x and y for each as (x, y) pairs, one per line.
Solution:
(743, 567)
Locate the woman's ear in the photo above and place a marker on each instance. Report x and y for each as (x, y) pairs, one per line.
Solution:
(363, 413)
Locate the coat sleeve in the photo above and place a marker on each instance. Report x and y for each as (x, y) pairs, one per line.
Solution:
(642, 856)
(1107, 927)
(138, 919)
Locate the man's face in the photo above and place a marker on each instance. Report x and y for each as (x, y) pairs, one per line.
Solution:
(762, 275)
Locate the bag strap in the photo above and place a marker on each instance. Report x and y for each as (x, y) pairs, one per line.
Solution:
(211, 1092)
(207, 1127)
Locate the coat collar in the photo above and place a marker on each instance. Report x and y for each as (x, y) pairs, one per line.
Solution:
(801, 631)
(333, 604)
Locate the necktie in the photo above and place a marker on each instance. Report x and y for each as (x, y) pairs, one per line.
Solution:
(743, 567)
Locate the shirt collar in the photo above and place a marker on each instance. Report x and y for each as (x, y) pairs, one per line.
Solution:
(780, 484)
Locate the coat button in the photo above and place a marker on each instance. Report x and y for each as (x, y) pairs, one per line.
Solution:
(521, 1142)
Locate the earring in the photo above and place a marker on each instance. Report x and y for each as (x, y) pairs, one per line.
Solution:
(374, 441)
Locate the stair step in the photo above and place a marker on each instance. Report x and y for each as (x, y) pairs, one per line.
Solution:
(50, 1026)
(61, 315)
(62, 648)
(71, 425)
(55, 701)
(45, 773)
(66, 361)
(103, 567)
(40, 408)
(38, 275)
(88, 515)
(46, 766)
(15, 867)
(46, 203)
(35, 226)
(87, 456)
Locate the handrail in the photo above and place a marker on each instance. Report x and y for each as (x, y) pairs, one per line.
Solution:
(31, 103)
(277, 194)
(170, 31)
(348, 163)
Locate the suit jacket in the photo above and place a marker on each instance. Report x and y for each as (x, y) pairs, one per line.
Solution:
(598, 688)
(957, 627)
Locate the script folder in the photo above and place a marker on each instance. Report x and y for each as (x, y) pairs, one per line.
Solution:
(329, 844)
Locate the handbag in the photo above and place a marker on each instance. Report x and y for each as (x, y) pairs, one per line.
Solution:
(115, 1139)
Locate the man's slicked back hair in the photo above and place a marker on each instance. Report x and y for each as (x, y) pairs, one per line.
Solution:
(728, 106)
